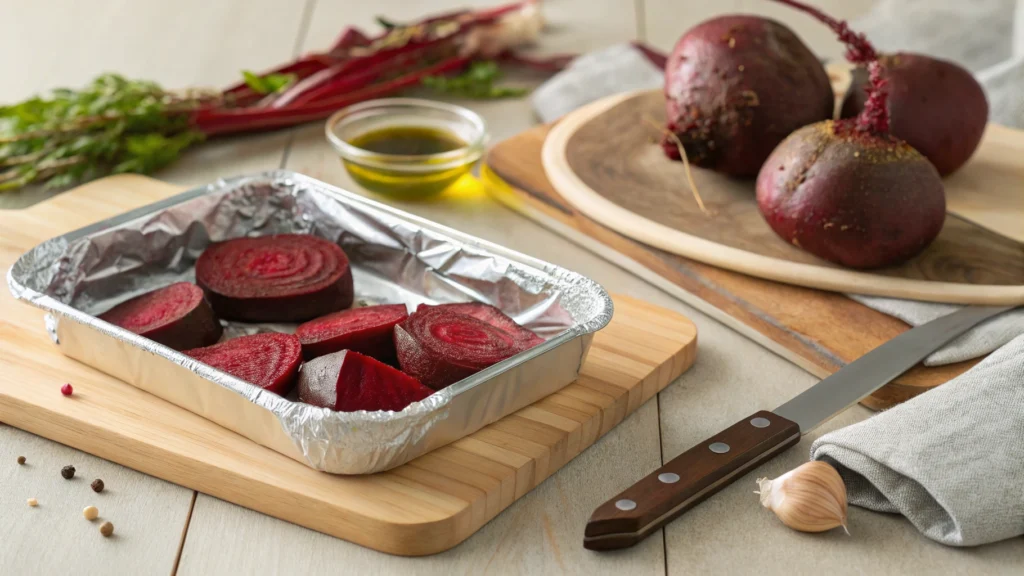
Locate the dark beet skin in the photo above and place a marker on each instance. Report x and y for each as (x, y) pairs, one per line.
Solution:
(282, 278)
(347, 381)
(270, 361)
(736, 86)
(177, 316)
(495, 317)
(935, 105)
(368, 330)
(854, 199)
(440, 347)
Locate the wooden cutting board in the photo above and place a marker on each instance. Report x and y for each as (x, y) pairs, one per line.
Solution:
(817, 330)
(604, 159)
(423, 507)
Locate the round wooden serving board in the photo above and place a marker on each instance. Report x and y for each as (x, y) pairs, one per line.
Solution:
(605, 159)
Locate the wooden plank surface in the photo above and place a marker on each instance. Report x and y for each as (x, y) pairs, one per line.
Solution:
(424, 507)
(820, 331)
(536, 535)
(58, 43)
(598, 157)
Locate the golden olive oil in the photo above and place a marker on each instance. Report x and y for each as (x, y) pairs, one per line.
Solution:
(408, 141)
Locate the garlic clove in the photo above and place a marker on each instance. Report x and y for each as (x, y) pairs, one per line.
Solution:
(809, 498)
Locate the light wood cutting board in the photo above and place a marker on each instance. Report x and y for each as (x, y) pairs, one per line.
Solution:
(604, 160)
(818, 330)
(426, 506)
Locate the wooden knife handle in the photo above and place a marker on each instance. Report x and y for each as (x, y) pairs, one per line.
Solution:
(687, 480)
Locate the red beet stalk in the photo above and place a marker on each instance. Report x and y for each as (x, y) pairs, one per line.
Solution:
(350, 37)
(354, 74)
(214, 122)
(874, 117)
(358, 68)
(242, 95)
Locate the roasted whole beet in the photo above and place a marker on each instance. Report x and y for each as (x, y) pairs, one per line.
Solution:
(736, 86)
(177, 316)
(935, 105)
(281, 278)
(860, 201)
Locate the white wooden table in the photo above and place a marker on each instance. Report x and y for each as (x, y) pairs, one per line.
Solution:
(163, 528)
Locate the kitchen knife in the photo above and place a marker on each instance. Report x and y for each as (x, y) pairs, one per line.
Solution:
(701, 471)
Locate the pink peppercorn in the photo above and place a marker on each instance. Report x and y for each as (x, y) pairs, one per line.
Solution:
(66, 389)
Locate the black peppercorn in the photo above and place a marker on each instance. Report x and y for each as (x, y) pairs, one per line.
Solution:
(68, 472)
(21, 460)
(97, 485)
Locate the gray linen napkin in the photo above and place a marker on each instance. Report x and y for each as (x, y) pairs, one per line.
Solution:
(950, 460)
(987, 337)
(613, 70)
(947, 28)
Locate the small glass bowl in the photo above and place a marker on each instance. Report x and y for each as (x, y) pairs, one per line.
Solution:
(399, 175)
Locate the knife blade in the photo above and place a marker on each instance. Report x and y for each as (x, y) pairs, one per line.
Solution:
(708, 467)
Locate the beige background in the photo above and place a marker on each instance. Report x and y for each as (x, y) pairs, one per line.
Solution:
(162, 528)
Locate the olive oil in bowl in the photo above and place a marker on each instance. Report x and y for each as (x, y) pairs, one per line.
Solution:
(408, 141)
(407, 148)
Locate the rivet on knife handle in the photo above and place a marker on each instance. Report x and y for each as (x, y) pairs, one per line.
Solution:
(687, 480)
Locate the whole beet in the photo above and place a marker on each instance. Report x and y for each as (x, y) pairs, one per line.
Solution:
(859, 200)
(736, 86)
(849, 191)
(935, 105)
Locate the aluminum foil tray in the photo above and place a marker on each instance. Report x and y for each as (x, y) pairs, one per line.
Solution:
(395, 257)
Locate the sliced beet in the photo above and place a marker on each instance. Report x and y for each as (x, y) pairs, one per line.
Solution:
(176, 316)
(268, 360)
(440, 347)
(282, 278)
(348, 381)
(369, 330)
(495, 317)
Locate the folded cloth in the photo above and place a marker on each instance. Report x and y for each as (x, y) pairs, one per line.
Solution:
(976, 342)
(590, 77)
(951, 460)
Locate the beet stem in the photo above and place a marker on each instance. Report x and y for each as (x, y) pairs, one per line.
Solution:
(874, 118)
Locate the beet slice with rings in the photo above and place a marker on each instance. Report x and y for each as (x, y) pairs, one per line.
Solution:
(281, 278)
(270, 360)
(368, 330)
(440, 347)
(177, 316)
(495, 317)
(348, 381)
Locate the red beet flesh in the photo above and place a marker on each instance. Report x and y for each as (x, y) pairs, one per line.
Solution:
(857, 199)
(368, 330)
(269, 360)
(935, 105)
(177, 316)
(440, 347)
(736, 86)
(282, 278)
(347, 381)
(486, 313)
